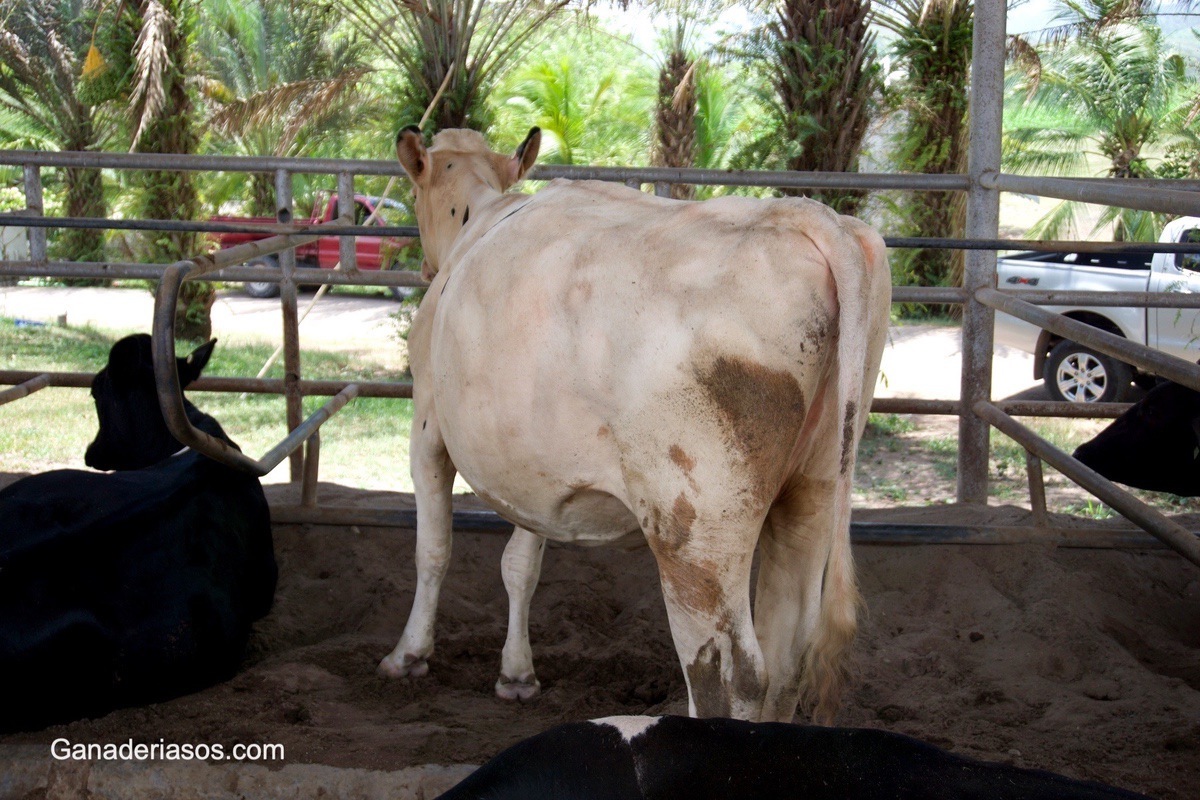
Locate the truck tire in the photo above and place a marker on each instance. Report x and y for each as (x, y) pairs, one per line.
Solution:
(262, 288)
(399, 293)
(1079, 374)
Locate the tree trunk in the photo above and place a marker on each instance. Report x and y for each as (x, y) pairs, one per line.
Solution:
(85, 198)
(262, 194)
(826, 80)
(675, 118)
(937, 54)
(172, 195)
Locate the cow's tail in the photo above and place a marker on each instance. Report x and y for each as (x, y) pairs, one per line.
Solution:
(863, 281)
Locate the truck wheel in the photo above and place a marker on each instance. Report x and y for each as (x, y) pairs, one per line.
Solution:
(262, 288)
(399, 293)
(1079, 374)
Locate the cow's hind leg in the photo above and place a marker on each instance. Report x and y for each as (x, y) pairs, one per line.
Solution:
(433, 480)
(806, 600)
(704, 554)
(521, 566)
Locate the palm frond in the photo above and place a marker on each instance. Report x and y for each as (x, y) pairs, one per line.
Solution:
(1021, 53)
(1061, 222)
(152, 65)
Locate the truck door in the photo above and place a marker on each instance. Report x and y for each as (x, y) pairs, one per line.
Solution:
(1176, 330)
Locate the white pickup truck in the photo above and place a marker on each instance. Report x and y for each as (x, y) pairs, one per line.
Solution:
(1082, 375)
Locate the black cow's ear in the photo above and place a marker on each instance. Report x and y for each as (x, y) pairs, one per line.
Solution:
(411, 152)
(191, 366)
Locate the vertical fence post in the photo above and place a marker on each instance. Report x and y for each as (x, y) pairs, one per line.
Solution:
(662, 189)
(312, 461)
(347, 252)
(983, 222)
(33, 202)
(291, 322)
(1037, 490)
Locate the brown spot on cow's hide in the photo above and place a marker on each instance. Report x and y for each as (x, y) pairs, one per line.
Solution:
(693, 585)
(848, 427)
(762, 411)
(710, 690)
(704, 678)
(603, 432)
(746, 685)
(671, 533)
(683, 514)
(682, 459)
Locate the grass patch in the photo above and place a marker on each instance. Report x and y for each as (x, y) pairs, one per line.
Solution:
(1091, 509)
(889, 425)
(366, 444)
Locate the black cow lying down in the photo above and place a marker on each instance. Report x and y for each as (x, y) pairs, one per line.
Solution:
(1154, 445)
(663, 758)
(134, 586)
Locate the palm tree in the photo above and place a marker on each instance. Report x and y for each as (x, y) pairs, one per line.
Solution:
(472, 41)
(820, 63)
(162, 116)
(588, 96)
(44, 105)
(933, 46)
(1114, 92)
(278, 82)
(675, 107)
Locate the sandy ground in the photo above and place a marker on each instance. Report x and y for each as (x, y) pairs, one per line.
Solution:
(1080, 661)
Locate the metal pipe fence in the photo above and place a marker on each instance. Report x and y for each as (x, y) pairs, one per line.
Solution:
(983, 183)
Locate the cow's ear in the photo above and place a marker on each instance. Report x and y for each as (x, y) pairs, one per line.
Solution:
(410, 150)
(527, 153)
(191, 366)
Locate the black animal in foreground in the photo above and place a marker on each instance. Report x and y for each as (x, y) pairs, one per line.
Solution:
(134, 586)
(1154, 445)
(669, 758)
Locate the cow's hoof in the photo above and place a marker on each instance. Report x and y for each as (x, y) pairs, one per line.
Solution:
(520, 689)
(408, 666)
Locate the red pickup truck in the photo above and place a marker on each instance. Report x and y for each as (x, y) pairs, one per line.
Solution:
(374, 252)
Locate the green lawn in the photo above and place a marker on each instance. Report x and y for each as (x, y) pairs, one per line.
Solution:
(366, 444)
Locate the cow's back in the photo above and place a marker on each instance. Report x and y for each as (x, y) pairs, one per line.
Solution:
(594, 313)
(127, 587)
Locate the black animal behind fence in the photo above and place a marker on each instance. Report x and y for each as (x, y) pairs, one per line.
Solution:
(1154, 445)
(136, 585)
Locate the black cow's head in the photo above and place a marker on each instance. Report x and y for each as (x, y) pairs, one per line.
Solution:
(1154, 445)
(132, 432)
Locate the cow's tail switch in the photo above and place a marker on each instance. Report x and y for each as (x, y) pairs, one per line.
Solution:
(863, 281)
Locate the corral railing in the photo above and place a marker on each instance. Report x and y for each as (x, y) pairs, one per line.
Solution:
(979, 296)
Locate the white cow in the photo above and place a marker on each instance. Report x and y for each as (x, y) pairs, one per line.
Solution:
(598, 362)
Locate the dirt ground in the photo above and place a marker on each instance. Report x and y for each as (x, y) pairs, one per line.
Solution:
(1085, 662)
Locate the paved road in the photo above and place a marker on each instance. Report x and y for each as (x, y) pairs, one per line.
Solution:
(920, 360)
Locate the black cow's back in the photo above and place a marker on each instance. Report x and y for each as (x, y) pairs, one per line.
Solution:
(127, 587)
(677, 758)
